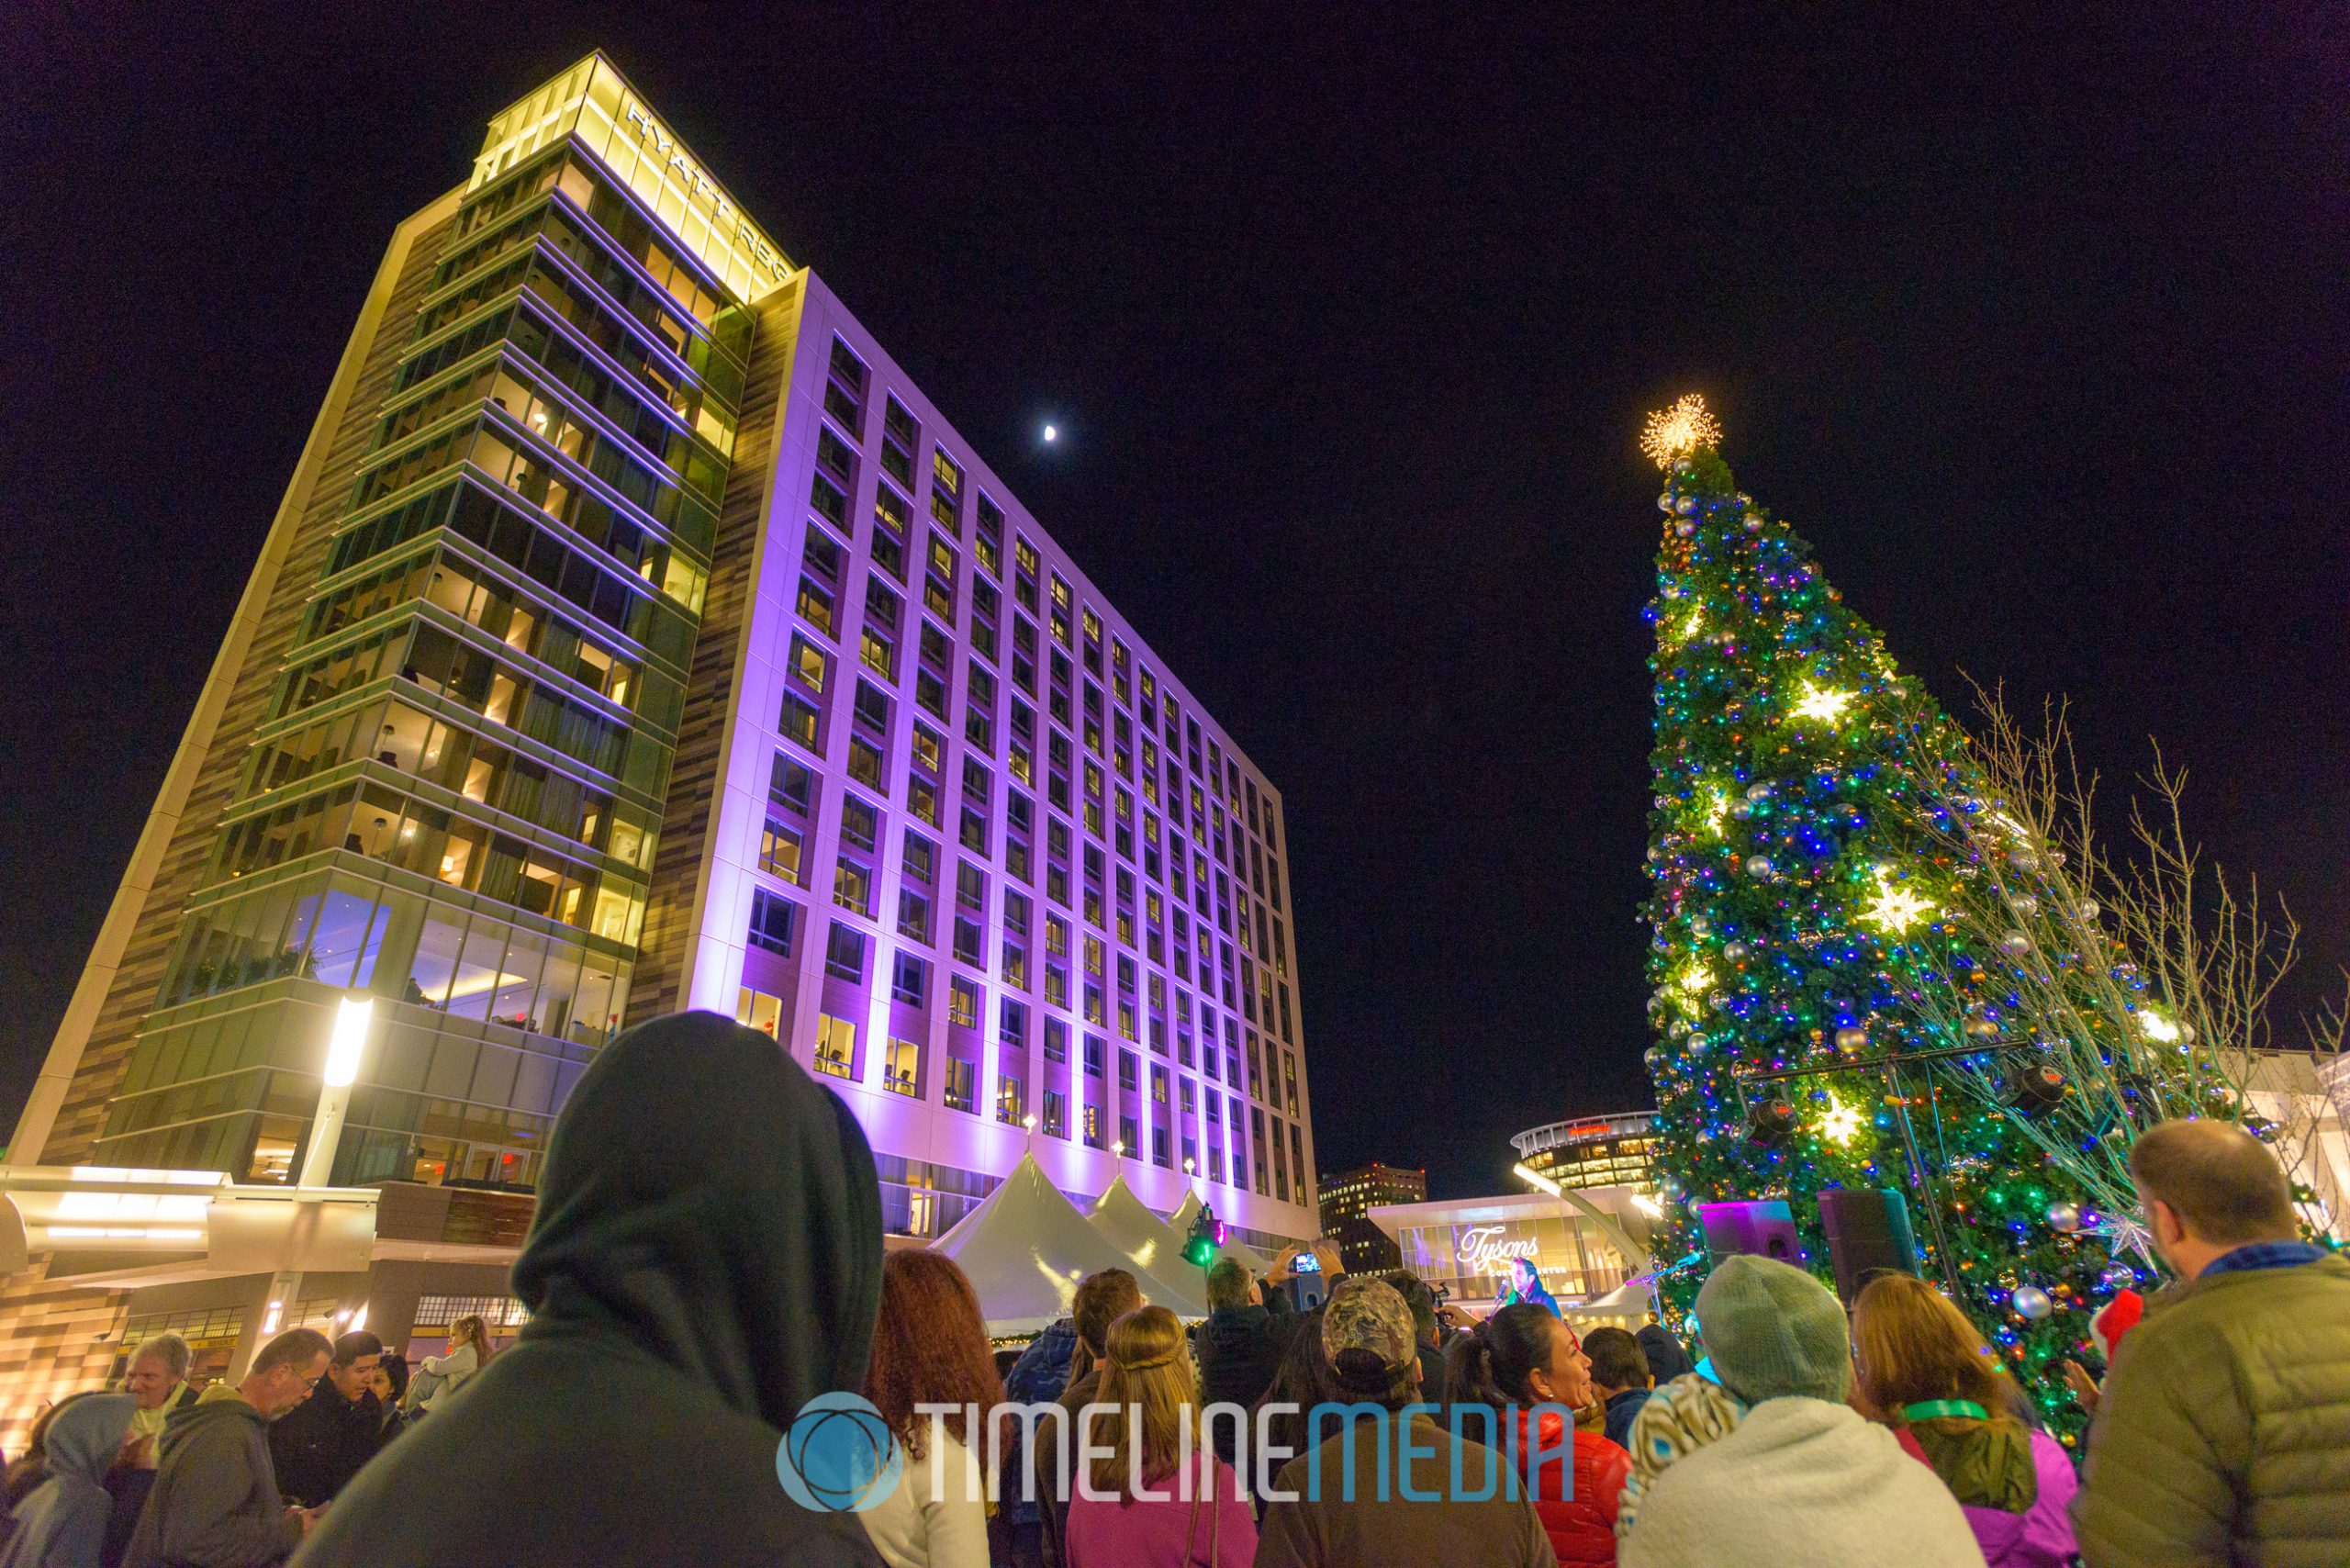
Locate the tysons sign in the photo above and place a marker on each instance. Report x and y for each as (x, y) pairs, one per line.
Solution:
(1489, 1248)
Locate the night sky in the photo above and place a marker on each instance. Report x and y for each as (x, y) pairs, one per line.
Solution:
(1347, 322)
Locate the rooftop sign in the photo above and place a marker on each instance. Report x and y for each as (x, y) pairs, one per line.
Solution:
(593, 101)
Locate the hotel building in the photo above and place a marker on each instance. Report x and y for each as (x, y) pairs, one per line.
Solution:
(634, 636)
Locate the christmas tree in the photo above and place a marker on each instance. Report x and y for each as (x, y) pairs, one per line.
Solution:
(1828, 1014)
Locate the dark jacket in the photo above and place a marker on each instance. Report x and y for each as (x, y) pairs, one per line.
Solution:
(705, 1260)
(1498, 1532)
(215, 1502)
(1238, 1350)
(1036, 1378)
(1621, 1410)
(320, 1444)
(2224, 1433)
(1052, 1496)
(62, 1523)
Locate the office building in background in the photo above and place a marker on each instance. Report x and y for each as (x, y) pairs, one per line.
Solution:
(1347, 1197)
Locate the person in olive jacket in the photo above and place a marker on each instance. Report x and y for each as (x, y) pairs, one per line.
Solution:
(2223, 1431)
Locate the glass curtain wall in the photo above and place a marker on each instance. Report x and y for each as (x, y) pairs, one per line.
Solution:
(454, 799)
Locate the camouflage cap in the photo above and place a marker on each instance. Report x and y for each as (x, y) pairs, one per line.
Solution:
(1365, 1314)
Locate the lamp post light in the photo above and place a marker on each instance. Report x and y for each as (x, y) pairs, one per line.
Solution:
(353, 1015)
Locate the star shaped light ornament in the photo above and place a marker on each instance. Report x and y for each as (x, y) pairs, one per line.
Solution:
(1839, 1122)
(1822, 704)
(1679, 431)
(2124, 1233)
(1895, 910)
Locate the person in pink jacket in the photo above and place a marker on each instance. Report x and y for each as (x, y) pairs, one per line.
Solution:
(1139, 1507)
(1922, 1370)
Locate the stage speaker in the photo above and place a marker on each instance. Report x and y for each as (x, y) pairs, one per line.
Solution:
(1868, 1235)
(1766, 1228)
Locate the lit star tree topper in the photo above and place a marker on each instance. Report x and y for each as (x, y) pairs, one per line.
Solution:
(1797, 893)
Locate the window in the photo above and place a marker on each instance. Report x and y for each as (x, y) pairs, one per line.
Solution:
(963, 1003)
(922, 858)
(1093, 1127)
(878, 655)
(958, 1085)
(1055, 1114)
(865, 764)
(844, 953)
(808, 662)
(1158, 1155)
(852, 888)
(1011, 1022)
(792, 784)
(1095, 1050)
(759, 1011)
(1158, 1083)
(779, 852)
(816, 607)
(909, 978)
(1127, 1138)
(880, 605)
(966, 942)
(1129, 1070)
(774, 921)
(835, 1046)
(797, 721)
(913, 916)
(1056, 1040)
(860, 823)
(900, 1071)
(970, 887)
(1010, 1098)
(872, 706)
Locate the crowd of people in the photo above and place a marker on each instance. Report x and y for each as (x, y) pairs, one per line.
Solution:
(708, 1259)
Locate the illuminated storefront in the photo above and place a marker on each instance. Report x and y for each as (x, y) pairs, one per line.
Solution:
(1467, 1249)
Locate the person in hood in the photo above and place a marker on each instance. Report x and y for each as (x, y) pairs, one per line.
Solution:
(1239, 1348)
(706, 1258)
(62, 1523)
(1667, 1359)
(1802, 1477)
(1925, 1372)
(215, 1503)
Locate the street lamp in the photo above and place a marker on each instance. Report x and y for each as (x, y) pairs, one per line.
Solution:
(352, 1017)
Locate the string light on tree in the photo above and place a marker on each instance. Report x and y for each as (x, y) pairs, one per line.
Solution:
(1679, 430)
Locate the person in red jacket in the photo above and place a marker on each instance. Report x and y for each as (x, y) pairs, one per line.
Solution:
(1523, 1357)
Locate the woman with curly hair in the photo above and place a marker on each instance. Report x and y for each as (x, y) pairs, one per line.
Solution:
(930, 1347)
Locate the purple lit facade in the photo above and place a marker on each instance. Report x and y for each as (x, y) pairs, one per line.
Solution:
(1025, 874)
(634, 637)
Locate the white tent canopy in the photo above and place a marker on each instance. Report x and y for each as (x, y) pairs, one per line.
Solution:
(1025, 1249)
(1179, 1222)
(1150, 1246)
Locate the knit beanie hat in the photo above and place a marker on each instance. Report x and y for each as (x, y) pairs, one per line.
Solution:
(1773, 1330)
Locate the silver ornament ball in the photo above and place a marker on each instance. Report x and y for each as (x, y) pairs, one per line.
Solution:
(2063, 1218)
(2032, 1302)
(1851, 1038)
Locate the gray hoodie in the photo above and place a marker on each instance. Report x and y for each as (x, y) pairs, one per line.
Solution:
(215, 1504)
(62, 1523)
